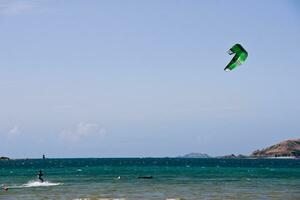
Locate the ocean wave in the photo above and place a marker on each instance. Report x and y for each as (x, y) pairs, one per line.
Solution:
(96, 198)
(40, 184)
(34, 184)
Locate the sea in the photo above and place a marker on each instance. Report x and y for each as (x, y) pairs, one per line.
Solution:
(150, 178)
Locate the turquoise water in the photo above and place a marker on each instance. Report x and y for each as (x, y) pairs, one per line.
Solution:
(176, 178)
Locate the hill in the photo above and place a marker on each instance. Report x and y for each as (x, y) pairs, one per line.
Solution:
(195, 155)
(288, 148)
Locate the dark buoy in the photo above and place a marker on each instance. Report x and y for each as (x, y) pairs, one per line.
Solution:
(145, 177)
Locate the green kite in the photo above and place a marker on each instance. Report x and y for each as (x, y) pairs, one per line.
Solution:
(239, 57)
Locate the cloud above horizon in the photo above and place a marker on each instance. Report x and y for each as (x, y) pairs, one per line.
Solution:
(15, 131)
(10, 8)
(81, 131)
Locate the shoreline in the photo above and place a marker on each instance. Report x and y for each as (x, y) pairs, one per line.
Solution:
(217, 158)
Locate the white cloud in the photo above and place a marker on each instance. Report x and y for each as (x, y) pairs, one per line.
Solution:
(15, 7)
(15, 131)
(82, 130)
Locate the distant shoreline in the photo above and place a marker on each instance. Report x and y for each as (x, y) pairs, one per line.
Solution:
(221, 158)
(288, 149)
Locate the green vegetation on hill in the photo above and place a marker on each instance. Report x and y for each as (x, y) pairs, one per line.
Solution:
(288, 148)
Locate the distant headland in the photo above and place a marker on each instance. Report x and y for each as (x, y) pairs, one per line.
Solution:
(285, 149)
(195, 155)
(288, 148)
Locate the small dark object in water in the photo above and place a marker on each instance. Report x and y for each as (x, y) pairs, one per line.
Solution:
(145, 177)
(4, 158)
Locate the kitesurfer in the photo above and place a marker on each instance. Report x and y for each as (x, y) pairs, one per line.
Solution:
(40, 174)
(5, 188)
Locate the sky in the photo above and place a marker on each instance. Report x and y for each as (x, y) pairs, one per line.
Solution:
(145, 78)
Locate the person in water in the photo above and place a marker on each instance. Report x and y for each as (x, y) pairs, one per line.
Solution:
(5, 188)
(40, 174)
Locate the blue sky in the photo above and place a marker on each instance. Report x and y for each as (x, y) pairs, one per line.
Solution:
(145, 78)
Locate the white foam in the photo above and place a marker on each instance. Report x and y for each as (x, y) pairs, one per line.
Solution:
(40, 184)
(32, 184)
(100, 199)
(174, 199)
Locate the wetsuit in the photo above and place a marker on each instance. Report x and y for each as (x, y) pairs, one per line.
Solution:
(40, 174)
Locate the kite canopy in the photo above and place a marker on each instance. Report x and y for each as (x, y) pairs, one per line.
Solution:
(239, 57)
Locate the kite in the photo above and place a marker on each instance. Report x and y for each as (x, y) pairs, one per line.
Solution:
(239, 58)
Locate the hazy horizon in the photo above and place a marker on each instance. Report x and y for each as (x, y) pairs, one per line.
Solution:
(145, 78)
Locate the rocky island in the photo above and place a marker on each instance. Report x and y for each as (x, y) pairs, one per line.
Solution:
(195, 155)
(4, 158)
(285, 149)
(288, 148)
(234, 156)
